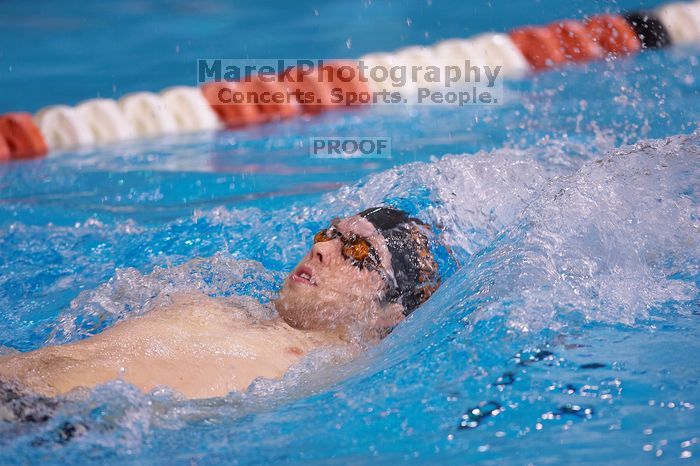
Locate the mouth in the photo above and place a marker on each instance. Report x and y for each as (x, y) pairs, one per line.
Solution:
(304, 275)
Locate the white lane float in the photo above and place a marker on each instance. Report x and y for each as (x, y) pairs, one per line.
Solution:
(147, 114)
(681, 20)
(106, 120)
(190, 109)
(499, 49)
(380, 61)
(63, 127)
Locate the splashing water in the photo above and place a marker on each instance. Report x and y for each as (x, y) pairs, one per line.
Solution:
(567, 334)
(578, 279)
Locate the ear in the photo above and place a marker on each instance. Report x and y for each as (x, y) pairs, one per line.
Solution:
(391, 315)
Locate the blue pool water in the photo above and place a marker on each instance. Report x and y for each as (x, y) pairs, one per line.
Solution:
(574, 210)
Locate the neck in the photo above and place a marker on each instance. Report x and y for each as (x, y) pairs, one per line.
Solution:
(359, 336)
(320, 337)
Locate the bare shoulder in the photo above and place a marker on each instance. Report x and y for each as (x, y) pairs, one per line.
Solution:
(187, 311)
(197, 317)
(197, 305)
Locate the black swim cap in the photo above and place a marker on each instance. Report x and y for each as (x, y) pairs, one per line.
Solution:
(415, 269)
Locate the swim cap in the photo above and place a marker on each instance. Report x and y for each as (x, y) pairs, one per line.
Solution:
(415, 270)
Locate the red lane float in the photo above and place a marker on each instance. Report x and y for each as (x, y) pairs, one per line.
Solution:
(346, 77)
(575, 42)
(539, 46)
(311, 93)
(4, 149)
(220, 95)
(22, 136)
(277, 105)
(334, 85)
(613, 34)
(287, 95)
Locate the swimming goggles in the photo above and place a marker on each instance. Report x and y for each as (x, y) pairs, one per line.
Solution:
(360, 252)
(356, 249)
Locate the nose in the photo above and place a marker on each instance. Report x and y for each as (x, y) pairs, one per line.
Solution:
(324, 252)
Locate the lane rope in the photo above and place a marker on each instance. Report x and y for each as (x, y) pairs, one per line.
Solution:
(183, 109)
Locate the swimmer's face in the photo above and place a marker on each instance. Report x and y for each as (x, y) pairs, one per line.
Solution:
(326, 291)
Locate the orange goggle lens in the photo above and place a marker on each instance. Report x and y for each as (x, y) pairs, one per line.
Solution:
(355, 248)
(322, 236)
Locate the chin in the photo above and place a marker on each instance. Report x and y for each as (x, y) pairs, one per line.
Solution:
(308, 308)
(293, 305)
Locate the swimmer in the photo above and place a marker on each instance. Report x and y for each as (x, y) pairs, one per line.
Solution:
(363, 275)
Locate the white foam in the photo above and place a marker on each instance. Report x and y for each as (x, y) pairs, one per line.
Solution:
(131, 293)
(608, 243)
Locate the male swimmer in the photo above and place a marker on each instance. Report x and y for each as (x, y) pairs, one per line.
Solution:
(362, 276)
